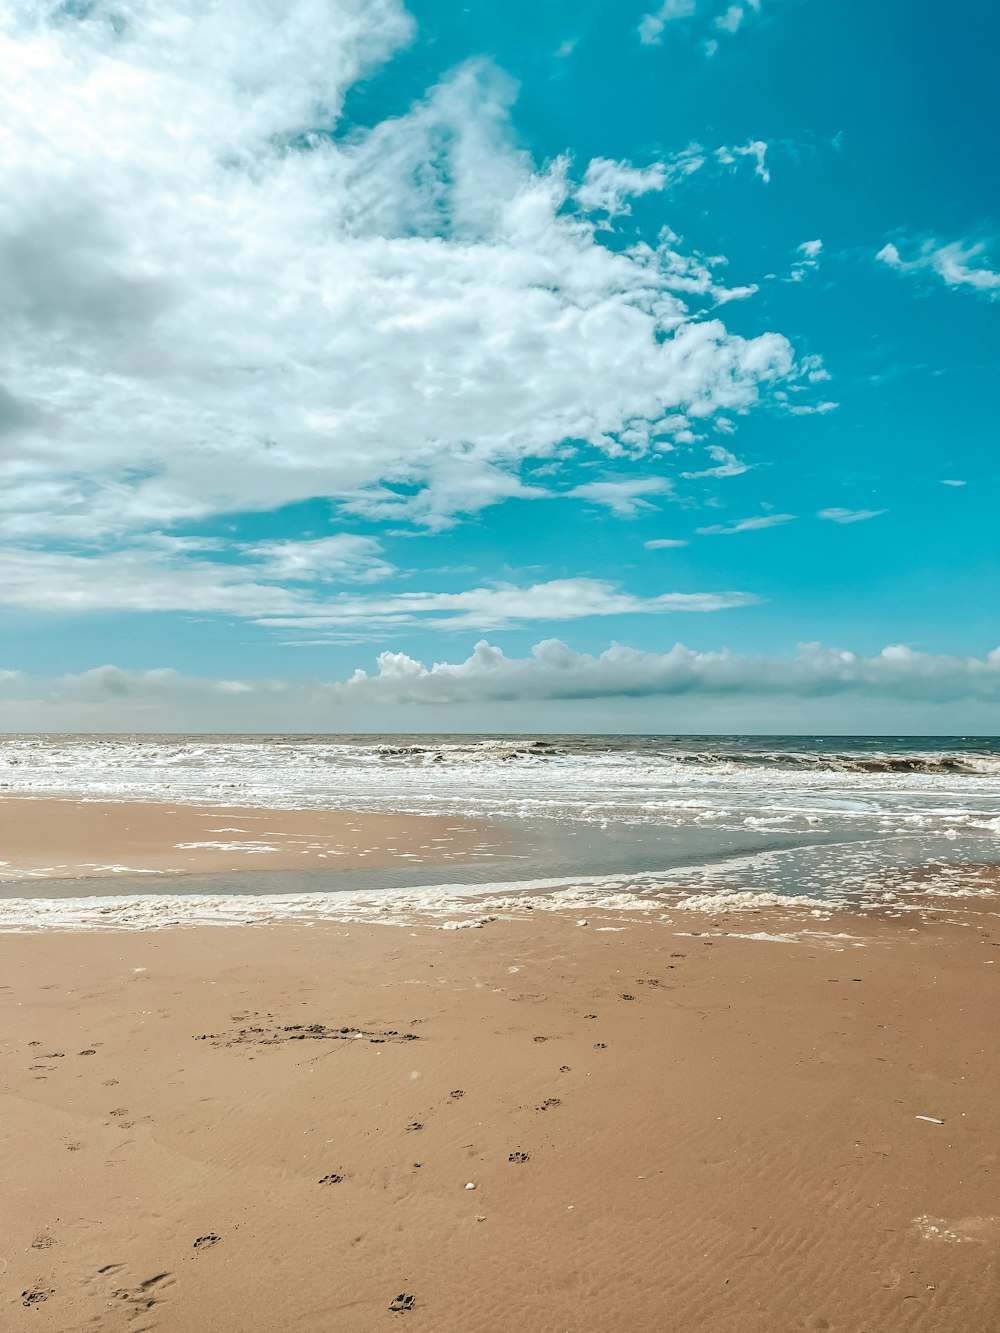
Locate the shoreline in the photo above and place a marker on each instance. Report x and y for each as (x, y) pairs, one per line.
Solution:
(716, 1123)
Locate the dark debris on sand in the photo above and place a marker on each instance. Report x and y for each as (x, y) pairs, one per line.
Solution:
(274, 1034)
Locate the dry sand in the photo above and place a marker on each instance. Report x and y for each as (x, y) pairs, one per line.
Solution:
(60, 839)
(666, 1131)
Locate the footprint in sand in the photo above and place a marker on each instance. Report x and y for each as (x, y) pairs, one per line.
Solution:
(518, 1157)
(458, 1092)
(628, 997)
(331, 1179)
(87, 1052)
(600, 1045)
(43, 1241)
(145, 1295)
(203, 1242)
(549, 1101)
(402, 1302)
(412, 1128)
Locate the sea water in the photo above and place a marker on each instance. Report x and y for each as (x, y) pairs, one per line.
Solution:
(793, 815)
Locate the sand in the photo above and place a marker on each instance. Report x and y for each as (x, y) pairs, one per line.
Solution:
(669, 1126)
(44, 837)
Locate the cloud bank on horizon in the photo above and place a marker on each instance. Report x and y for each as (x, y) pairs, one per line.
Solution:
(338, 321)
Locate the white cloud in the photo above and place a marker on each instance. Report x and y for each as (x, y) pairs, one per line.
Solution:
(731, 20)
(756, 150)
(664, 543)
(956, 263)
(343, 557)
(951, 481)
(652, 25)
(745, 525)
(726, 464)
(500, 605)
(555, 671)
(488, 690)
(652, 28)
(608, 185)
(808, 260)
(217, 296)
(625, 499)
(849, 515)
(155, 580)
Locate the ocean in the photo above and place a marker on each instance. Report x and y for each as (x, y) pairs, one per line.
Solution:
(816, 816)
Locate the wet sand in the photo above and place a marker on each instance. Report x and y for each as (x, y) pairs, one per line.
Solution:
(64, 839)
(669, 1126)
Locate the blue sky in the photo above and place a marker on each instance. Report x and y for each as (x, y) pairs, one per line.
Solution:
(336, 330)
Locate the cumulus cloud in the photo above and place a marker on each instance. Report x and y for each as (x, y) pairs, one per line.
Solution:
(745, 525)
(551, 671)
(955, 263)
(555, 671)
(219, 296)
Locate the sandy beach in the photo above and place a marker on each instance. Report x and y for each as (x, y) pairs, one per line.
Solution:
(745, 1122)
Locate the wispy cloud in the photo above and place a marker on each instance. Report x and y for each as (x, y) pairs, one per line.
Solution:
(500, 605)
(664, 543)
(849, 515)
(726, 464)
(282, 584)
(724, 22)
(745, 525)
(956, 263)
(625, 499)
(808, 259)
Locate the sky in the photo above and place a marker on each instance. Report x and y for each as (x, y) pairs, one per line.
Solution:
(509, 366)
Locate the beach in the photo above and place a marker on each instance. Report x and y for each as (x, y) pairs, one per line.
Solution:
(768, 1119)
(565, 1035)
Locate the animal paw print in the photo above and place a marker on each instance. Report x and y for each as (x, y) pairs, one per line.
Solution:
(414, 1126)
(404, 1301)
(36, 1295)
(458, 1093)
(331, 1179)
(600, 1045)
(549, 1101)
(517, 1157)
(204, 1242)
